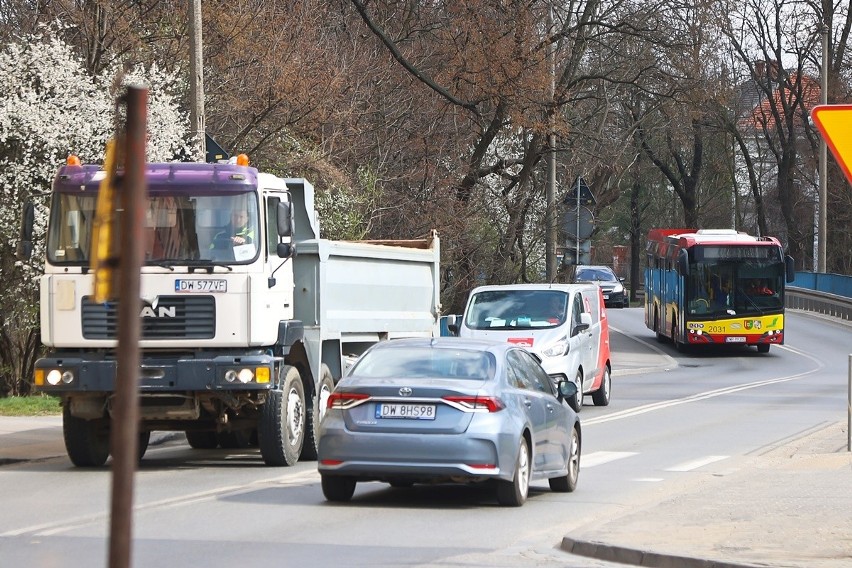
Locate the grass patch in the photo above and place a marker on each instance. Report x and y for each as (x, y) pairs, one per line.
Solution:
(36, 405)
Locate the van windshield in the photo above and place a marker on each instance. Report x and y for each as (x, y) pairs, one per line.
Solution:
(512, 309)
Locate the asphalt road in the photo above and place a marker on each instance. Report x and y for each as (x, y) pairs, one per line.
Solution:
(676, 425)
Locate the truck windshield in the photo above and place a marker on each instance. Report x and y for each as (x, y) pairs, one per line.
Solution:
(178, 227)
(510, 309)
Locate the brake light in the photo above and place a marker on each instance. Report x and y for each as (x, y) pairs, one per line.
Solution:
(477, 403)
(346, 399)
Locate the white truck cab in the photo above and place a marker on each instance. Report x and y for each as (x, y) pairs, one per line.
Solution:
(564, 325)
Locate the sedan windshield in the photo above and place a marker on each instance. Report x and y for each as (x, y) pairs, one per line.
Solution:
(425, 361)
(595, 275)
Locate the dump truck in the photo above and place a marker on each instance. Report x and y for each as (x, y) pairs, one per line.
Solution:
(244, 329)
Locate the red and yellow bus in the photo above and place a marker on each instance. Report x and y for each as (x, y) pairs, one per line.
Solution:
(716, 287)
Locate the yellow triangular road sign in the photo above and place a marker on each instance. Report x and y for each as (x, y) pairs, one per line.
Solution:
(835, 124)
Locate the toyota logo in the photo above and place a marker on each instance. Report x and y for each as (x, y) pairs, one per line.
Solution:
(405, 391)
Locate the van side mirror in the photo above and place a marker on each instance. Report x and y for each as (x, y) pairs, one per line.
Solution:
(24, 249)
(453, 322)
(284, 217)
(585, 323)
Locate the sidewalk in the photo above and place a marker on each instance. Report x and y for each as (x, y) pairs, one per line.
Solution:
(791, 507)
(35, 438)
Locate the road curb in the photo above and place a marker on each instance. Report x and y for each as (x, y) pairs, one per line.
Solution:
(635, 557)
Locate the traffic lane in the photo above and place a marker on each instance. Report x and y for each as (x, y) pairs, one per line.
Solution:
(260, 521)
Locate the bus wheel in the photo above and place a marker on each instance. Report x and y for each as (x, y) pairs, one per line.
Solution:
(660, 337)
(763, 348)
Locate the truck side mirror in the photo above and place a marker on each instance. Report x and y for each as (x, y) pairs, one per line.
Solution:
(285, 250)
(790, 268)
(25, 241)
(284, 216)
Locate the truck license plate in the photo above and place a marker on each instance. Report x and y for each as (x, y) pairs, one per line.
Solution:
(201, 285)
(408, 411)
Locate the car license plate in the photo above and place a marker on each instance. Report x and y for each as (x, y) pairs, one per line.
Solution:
(735, 339)
(408, 411)
(201, 286)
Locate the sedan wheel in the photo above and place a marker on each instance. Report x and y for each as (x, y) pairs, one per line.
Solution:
(514, 493)
(568, 483)
(338, 488)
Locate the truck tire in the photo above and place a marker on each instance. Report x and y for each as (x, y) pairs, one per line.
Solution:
(86, 441)
(142, 444)
(281, 429)
(316, 410)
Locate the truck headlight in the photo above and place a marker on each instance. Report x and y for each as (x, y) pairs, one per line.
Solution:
(244, 375)
(56, 376)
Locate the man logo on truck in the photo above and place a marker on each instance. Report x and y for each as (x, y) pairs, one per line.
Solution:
(152, 310)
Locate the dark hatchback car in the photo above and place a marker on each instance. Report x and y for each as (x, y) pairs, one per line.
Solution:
(449, 410)
(614, 293)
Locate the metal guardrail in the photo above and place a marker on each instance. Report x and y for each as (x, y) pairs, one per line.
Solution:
(819, 302)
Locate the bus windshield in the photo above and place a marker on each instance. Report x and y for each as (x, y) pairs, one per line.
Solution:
(734, 281)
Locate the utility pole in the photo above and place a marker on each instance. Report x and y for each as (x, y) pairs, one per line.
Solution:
(822, 239)
(196, 82)
(550, 191)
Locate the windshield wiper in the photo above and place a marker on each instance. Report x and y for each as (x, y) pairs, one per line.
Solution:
(161, 263)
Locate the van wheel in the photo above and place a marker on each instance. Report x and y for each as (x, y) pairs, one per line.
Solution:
(576, 401)
(601, 396)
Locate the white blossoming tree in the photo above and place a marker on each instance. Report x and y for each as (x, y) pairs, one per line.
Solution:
(51, 107)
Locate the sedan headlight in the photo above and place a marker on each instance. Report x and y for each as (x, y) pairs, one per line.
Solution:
(618, 289)
(557, 349)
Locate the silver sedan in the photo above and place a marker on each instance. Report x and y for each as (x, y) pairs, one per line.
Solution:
(449, 410)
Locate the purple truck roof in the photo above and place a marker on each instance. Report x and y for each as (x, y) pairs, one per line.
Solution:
(171, 178)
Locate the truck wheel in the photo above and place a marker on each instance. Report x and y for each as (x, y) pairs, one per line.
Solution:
(142, 444)
(281, 430)
(202, 439)
(316, 410)
(86, 441)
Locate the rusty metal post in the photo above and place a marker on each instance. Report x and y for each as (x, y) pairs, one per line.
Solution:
(125, 418)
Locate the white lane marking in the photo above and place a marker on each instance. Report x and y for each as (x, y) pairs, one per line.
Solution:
(598, 458)
(649, 479)
(45, 529)
(705, 395)
(695, 464)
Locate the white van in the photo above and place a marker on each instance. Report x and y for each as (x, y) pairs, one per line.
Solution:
(565, 325)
